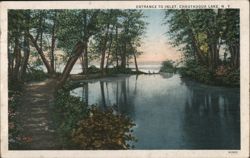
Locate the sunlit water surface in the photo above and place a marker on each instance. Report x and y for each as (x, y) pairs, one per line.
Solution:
(170, 112)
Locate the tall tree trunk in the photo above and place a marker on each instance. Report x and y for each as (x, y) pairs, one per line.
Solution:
(85, 59)
(104, 47)
(123, 56)
(235, 55)
(213, 47)
(53, 41)
(136, 66)
(237, 50)
(26, 57)
(109, 50)
(72, 60)
(10, 61)
(116, 48)
(85, 62)
(82, 63)
(17, 54)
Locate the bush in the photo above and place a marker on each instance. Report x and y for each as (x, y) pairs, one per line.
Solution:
(68, 110)
(119, 70)
(14, 129)
(197, 72)
(103, 130)
(229, 77)
(167, 66)
(223, 76)
(93, 69)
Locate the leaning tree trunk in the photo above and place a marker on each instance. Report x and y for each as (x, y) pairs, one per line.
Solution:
(40, 52)
(192, 34)
(71, 62)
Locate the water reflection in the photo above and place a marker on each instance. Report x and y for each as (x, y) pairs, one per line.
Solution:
(119, 94)
(211, 117)
(170, 112)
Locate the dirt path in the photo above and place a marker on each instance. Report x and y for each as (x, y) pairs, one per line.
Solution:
(34, 116)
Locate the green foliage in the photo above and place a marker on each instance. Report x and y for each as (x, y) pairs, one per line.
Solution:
(93, 69)
(199, 34)
(81, 127)
(14, 128)
(119, 70)
(227, 77)
(197, 72)
(168, 66)
(103, 130)
(68, 110)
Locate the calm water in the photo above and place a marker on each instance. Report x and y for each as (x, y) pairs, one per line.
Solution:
(169, 112)
(151, 67)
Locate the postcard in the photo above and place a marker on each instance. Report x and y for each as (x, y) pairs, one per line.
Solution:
(124, 79)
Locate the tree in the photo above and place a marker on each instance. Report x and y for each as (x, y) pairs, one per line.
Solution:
(111, 35)
(91, 28)
(18, 26)
(119, 36)
(132, 29)
(231, 35)
(44, 25)
(201, 33)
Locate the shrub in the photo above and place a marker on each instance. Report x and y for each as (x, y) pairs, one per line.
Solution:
(93, 69)
(230, 77)
(68, 110)
(222, 76)
(103, 130)
(14, 128)
(167, 66)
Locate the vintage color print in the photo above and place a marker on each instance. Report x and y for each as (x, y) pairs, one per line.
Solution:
(148, 78)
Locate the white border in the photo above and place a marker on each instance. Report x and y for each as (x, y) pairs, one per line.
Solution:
(244, 50)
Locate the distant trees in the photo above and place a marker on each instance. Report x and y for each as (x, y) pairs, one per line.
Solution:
(119, 37)
(168, 66)
(203, 34)
(112, 36)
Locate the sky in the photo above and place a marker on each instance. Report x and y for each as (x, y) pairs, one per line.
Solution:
(155, 46)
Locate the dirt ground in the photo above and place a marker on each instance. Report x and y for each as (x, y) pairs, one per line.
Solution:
(34, 116)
